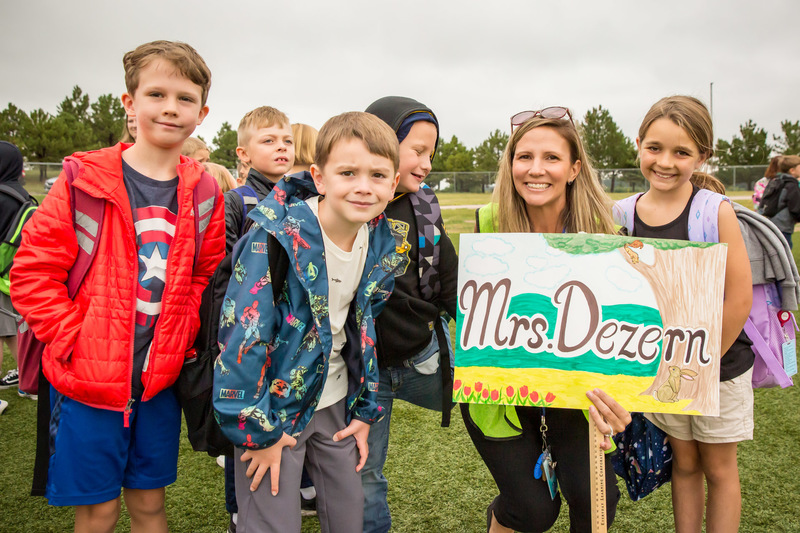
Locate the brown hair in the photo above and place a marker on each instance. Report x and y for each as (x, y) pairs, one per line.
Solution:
(305, 140)
(772, 169)
(376, 134)
(588, 207)
(183, 57)
(687, 112)
(260, 117)
(192, 145)
(707, 181)
(787, 163)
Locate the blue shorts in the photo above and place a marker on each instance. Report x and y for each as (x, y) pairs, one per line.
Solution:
(92, 454)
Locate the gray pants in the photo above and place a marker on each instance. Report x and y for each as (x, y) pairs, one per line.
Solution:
(332, 467)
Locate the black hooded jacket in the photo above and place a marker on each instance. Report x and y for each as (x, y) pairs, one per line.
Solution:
(10, 172)
(234, 210)
(404, 327)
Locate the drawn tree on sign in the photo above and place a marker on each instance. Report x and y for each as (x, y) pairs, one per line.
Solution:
(687, 284)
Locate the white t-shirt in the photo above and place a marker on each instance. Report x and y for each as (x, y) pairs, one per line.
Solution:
(344, 273)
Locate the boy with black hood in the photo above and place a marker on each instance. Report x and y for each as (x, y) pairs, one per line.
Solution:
(11, 163)
(413, 338)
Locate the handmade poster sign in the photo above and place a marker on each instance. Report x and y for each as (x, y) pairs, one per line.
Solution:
(543, 318)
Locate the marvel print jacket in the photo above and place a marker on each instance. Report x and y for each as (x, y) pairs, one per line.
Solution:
(274, 356)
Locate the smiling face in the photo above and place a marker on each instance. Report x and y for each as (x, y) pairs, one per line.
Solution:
(542, 167)
(668, 156)
(166, 105)
(357, 186)
(269, 150)
(415, 156)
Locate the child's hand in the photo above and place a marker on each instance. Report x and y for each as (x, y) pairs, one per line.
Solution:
(609, 416)
(267, 459)
(359, 430)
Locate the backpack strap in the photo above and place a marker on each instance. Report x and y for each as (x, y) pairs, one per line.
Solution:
(249, 198)
(430, 229)
(204, 198)
(87, 219)
(12, 192)
(704, 216)
(762, 349)
(624, 211)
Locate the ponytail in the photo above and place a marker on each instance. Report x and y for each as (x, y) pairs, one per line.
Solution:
(707, 181)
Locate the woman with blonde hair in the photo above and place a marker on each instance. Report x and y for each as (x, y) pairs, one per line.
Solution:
(545, 184)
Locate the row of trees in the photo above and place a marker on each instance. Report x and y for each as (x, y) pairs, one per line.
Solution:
(81, 124)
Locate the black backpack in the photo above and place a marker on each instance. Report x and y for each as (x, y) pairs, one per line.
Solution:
(195, 382)
(13, 237)
(770, 200)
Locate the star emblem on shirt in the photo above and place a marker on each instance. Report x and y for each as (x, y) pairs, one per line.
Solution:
(155, 265)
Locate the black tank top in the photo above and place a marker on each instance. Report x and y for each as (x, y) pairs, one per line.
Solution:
(739, 357)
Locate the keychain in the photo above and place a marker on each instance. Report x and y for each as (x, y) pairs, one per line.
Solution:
(545, 464)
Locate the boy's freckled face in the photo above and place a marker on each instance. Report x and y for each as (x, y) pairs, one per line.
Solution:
(415, 156)
(167, 106)
(269, 150)
(356, 183)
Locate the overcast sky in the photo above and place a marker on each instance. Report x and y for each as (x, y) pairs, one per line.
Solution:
(474, 63)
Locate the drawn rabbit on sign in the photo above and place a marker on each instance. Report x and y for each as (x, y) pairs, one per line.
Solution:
(668, 391)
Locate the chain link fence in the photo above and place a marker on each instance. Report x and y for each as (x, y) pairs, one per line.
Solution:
(622, 180)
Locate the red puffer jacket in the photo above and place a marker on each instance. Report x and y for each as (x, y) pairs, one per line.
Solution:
(89, 353)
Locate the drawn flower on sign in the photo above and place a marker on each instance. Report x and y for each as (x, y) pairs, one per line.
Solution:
(485, 393)
(457, 384)
(550, 397)
(510, 391)
(534, 396)
(495, 395)
(478, 386)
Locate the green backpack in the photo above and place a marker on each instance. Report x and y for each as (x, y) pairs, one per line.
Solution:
(13, 237)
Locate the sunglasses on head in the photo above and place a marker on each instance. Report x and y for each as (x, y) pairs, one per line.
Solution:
(548, 112)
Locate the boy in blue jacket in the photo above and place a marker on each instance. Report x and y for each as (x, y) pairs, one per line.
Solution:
(310, 351)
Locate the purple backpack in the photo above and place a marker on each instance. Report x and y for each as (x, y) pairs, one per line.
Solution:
(769, 326)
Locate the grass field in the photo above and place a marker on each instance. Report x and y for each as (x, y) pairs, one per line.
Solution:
(437, 481)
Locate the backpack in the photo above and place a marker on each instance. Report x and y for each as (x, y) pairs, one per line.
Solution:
(770, 199)
(770, 325)
(13, 237)
(430, 228)
(758, 191)
(195, 382)
(87, 219)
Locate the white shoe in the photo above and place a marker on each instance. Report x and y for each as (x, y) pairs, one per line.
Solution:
(3, 405)
(23, 394)
(221, 461)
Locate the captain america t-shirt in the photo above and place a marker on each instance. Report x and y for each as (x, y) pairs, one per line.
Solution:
(155, 206)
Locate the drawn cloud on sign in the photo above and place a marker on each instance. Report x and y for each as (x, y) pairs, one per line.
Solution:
(547, 278)
(493, 246)
(536, 263)
(485, 265)
(623, 279)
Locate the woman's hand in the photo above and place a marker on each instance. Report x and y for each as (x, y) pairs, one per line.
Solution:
(609, 416)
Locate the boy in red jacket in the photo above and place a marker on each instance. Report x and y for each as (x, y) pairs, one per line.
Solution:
(114, 351)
